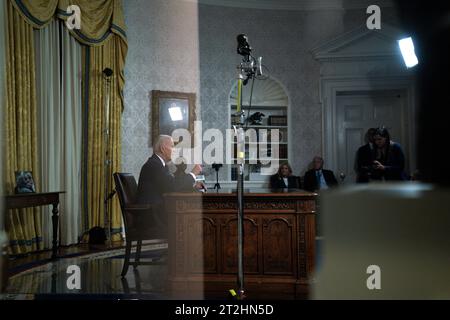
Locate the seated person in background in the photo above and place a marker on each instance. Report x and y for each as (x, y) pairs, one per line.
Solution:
(155, 179)
(364, 158)
(389, 160)
(318, 178)
(284, 179)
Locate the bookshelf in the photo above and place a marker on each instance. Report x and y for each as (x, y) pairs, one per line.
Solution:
(270, 99)
(257, 153)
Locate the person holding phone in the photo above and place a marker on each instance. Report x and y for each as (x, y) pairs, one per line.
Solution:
(389, 160)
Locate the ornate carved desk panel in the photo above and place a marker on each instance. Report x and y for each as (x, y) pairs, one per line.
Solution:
(279, 242)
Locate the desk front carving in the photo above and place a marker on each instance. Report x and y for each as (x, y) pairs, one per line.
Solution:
(279, 242)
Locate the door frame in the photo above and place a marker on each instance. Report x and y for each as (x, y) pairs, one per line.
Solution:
(331, 86)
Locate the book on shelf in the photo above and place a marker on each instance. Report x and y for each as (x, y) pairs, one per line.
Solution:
(283, 151)
(277, 120)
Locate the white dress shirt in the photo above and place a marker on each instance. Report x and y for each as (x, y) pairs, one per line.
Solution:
(322, 184)
(162, 160)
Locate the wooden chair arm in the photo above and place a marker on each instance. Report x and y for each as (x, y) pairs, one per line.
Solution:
(139, 208)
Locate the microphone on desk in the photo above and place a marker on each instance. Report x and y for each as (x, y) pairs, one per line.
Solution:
(342, 176)
(203, 188)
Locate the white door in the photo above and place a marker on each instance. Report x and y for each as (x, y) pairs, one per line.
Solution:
(358, 111)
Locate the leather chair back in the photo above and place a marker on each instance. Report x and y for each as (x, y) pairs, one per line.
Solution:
(126, 188)
(137, 219)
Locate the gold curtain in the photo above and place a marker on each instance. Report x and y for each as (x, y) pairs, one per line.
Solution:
(100, 19)
(96, 59)
(102, 33)
(37, 13)
(24, 226)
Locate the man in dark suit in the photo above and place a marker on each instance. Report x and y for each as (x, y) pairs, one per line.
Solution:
(364, 158)
(155, 179)
(284, 179)
(319, 178)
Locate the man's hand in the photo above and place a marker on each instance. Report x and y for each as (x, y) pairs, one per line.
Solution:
(197, 169)
(378, 166)
(199, 185)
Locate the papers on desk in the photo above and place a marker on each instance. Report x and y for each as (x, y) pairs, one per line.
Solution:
(200, 178)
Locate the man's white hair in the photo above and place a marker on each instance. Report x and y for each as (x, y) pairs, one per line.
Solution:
(162, 139)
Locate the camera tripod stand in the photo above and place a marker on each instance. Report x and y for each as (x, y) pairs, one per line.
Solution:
(217, 167)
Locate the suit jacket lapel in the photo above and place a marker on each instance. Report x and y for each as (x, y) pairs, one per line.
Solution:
(154, 157)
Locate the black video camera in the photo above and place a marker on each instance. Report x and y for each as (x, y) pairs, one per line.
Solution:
(243, 48)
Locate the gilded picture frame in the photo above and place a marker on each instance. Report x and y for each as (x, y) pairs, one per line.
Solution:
(172, 110)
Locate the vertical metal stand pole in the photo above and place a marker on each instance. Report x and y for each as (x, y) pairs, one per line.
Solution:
(107, 163)
(240, 188)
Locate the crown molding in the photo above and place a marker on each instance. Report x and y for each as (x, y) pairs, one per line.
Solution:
(329, 51)
(299, 5)
(289, 5)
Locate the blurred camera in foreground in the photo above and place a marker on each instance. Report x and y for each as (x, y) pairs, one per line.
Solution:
(385, 241)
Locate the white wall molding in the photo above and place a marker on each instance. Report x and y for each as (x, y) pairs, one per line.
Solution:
(383, 43)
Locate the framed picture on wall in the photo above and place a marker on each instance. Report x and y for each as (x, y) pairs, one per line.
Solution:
(172, 110)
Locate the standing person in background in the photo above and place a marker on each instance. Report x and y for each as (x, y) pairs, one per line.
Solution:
(318, 178)
(389, 160)
(365, 157)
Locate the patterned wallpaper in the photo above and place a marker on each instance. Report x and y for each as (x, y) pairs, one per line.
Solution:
(179, 46)
(162, 55)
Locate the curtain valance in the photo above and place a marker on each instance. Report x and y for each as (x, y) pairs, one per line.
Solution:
(99, 18)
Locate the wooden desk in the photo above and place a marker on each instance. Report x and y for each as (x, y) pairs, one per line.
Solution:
(279, 243)
(28, 200)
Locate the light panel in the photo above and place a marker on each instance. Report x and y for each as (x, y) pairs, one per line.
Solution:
(407, 49)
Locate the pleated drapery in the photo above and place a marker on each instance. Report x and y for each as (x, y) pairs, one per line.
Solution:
(103, 38)
(37, 13)
(71, 75)
(100, 18)
(58, 75)
(96, 59)
(24, 226)
(3, 45)
(3, 30)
